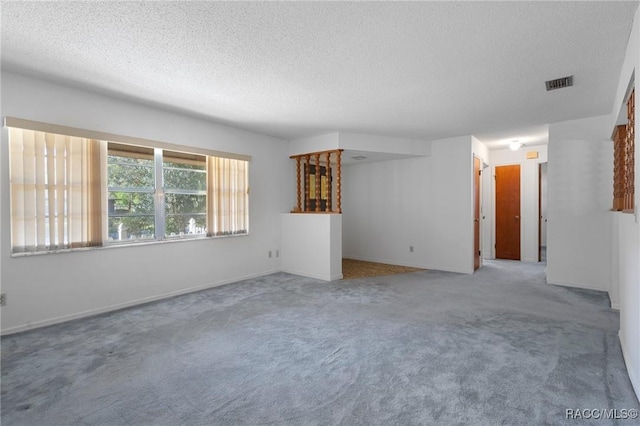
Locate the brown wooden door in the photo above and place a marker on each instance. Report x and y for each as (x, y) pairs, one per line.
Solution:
(476, 213)
(508, 212)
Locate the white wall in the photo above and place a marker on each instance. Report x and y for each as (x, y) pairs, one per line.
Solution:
(373, 146)
(617, 243)
(312, 245)
(580, 180)
(528, 196)
(323, 142)
(424, 202)
(626, 232)
(629, 274)
(45, 289)
(383, 144)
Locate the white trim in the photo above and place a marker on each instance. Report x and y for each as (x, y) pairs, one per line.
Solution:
(118, 306)
(129, 243)
(314, 276)
(635, 379)
(38, 126)
(578, 285)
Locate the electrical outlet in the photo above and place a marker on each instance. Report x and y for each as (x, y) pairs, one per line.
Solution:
(270, 254)
(3, 299)
(411, 249)
(277, 253)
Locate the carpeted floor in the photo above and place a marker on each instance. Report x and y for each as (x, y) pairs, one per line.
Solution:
(497, 347)
(352, 269)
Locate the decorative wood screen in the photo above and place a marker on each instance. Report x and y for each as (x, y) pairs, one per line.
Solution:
(624, 161)
(619, 154)
(315, 183)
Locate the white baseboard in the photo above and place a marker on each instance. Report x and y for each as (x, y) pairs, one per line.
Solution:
(118, 306)
(633, 377)
(576, 285)
(315, 276)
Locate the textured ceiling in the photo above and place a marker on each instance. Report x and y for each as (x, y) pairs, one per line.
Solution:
(416, 69)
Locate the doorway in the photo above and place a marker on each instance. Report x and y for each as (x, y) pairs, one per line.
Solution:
(476, 213)
(507, 212)
(542, 209)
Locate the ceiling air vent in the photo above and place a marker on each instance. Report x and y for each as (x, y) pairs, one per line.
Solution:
(559, 83)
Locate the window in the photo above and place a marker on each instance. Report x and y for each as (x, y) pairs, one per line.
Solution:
(185, 193)
(624, 161)
(73, 191)
(131, 182)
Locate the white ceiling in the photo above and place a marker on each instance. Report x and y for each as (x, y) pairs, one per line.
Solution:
(527, 136)
(423, 70)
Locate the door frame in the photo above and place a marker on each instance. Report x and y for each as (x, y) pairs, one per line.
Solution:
(477, 212)
(542, 194)
(539, 212)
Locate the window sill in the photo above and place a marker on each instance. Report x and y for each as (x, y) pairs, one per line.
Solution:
(626, 211)
(118, 245)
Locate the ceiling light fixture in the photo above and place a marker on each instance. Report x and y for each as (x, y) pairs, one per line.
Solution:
(515, 145)
(359, 157)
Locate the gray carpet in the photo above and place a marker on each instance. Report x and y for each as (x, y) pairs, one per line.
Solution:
(498, 347)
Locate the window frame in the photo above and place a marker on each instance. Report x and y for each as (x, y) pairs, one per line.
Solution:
(178, 191)
(159, 190)
(130, 190)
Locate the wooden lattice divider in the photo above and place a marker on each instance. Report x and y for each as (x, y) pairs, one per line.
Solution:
(339, 182)
(328, 185)
(318, 182)
(307, 193)
(624, 161)
(619, 169)
(298, 207)
(303, 185)
(630, 154)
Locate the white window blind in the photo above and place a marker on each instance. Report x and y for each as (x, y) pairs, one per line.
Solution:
(228, 205)
(56, 191)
